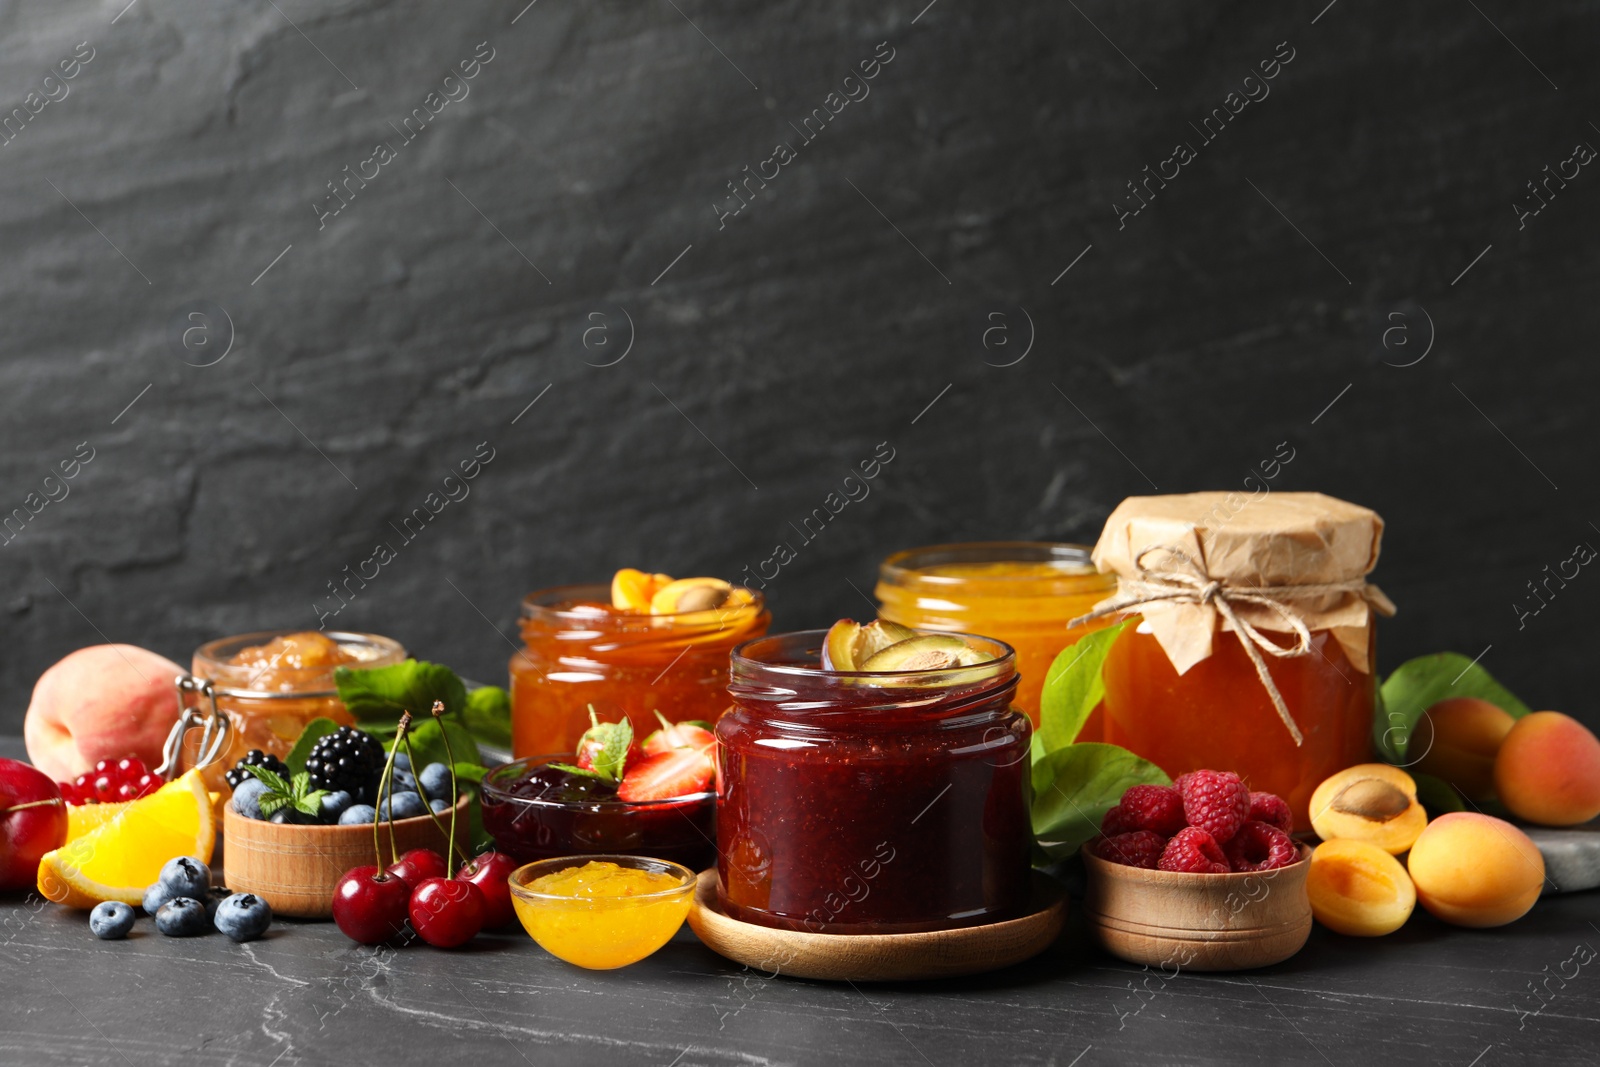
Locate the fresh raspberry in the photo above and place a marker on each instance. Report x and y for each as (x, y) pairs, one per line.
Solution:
(1117, 821)
(1157, 808)
(1217, 802)
(1141, 848)
(1178, 782)
(1259, 846)
(1195, 851)
(1271, 809)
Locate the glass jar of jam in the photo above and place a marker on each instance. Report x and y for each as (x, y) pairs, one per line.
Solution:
(270, 684)
(851, 802)
(581, 653)
(1021, 592)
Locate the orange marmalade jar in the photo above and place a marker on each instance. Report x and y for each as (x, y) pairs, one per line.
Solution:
(269, 685)
(1020, 592)
(1213, 577)
(580, 652)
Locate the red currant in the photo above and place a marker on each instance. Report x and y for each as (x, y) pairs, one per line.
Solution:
(69, 792)
(127, 791)
(147, 784)
(105, 788)
(369, 905)
(446, 913)
(491, 873)
(105, 766)
(418, 865)
(130, 768)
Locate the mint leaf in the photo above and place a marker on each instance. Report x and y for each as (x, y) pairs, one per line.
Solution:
(487, 714)
(1073, 686)
(1418, 684)
(569, 768)
(271, 802)
(608, 744)
(1075, 787)
(315, 731)
(270, 779)
(377, 695)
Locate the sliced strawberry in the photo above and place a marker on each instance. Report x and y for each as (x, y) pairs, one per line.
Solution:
(665, 775)
(678, 735)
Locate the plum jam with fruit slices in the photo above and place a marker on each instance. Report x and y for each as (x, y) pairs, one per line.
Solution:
(643, 645)
(873, 780)
(269, 685)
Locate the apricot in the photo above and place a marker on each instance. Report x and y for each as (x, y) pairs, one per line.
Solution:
(1475, 870)
(1371, 802)
(100, 702)
(1548, 770)
(1359, 889)
(1457, 740)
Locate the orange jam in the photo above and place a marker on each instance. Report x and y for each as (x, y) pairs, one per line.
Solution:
(1217, 715)
(296, 669)
(1022, 593)
(602, 915)
(580, 653)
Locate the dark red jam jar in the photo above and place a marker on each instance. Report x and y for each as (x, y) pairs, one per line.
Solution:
(871, 803)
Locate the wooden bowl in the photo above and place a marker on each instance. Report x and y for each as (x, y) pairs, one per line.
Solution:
(1198, 922)
(295, 868)
(880, 957)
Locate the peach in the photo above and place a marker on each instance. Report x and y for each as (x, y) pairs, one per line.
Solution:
(101, 702)
(1456, 740)
(1371, 802)
(1359, 889)
(1475, 870)
(1548, 770)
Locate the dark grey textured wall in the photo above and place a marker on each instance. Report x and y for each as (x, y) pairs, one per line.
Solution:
(186, 170)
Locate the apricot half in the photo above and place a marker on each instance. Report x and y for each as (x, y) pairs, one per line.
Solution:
(1371, 802)
(1548, 770)
(1457, 740)
(1475, 870)
(1359, 889)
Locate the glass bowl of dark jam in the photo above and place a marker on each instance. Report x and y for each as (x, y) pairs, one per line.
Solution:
(537, 811)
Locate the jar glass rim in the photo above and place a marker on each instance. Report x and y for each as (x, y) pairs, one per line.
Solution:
(910, 566)
(211, 660)
(747, 660)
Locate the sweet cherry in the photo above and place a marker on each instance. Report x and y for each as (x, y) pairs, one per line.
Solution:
(33, 820)
(369, 905)
(418, 865)
(491, 873)
(446, 912)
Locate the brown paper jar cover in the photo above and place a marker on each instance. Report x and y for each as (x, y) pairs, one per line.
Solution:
(1246, 542)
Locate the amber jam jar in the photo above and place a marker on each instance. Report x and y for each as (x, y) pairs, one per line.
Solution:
(270, 684)
(871, 803)
(1021, 592)
(580, 652)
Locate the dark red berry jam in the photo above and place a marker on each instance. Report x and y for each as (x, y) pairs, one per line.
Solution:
(871, 803)
(535, 811)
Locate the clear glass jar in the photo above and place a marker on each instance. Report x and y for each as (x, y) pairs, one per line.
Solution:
(579, 652)
(1021, 592)
(270, 684)
(871, 803)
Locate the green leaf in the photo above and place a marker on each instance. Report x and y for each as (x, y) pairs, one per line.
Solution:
(1080, 784)
(1437, 795)
(470, 772)
(379, 694)
(570, 769)
(609, 743)
(310, 803)
(271, 780)
(315, 731)
(271, 802)
(427, 743)
(1418, 684)
(1073, 686)
(488, 715)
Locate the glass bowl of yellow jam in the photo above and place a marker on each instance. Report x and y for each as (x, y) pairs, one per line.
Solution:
(602, 912)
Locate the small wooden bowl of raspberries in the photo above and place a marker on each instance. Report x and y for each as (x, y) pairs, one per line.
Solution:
(1201, 875)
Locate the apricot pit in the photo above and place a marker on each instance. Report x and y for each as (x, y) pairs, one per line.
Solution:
(1370, 802)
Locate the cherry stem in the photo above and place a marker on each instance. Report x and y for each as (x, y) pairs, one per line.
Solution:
(46, 802)
(431, 813)
(455, 789)
(385, 782)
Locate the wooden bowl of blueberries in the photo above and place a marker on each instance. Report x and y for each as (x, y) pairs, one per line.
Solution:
(290, 848)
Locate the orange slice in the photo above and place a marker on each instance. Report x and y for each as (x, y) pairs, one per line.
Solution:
(81, 818)
(118, 859)
(632, 590)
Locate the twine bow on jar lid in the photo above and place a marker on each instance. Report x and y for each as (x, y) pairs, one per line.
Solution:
(1184, 580)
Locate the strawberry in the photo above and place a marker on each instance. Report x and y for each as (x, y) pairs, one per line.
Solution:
(674, 773)
(607, 748)
(678, 735)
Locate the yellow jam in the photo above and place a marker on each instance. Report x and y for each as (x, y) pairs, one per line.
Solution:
(602, 915)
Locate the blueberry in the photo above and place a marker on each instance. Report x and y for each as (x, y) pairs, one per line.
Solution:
(402, 762)
(247, 799)
(111, 920)
(404, 806)
(358, 815)
(182, 917)
(154, 897)
(439, 805)
(184, 876)
(243, 917)
(435, 780)
(334, 805)
(403, 781)
(214, 896)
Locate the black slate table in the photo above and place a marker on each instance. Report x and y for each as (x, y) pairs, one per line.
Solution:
(304, 994)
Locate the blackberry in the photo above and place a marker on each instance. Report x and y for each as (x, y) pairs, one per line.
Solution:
(347, 760)
(255, 758)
